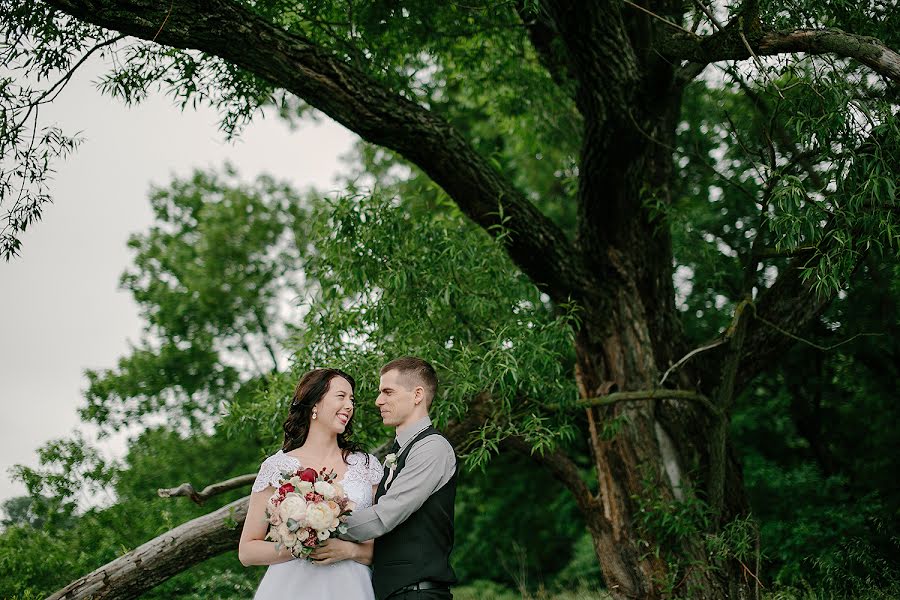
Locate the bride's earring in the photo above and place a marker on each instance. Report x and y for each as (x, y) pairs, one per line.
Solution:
(315, 413)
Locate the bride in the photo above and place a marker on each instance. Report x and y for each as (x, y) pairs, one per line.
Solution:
(316, 435)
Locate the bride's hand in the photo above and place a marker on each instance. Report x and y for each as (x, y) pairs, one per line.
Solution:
(335, 550)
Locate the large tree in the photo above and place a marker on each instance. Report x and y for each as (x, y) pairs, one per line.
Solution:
(585, 202)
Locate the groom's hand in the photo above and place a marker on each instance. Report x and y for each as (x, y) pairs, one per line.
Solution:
(334, 550)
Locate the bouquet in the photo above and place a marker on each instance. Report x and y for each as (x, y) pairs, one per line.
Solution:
(306, 509)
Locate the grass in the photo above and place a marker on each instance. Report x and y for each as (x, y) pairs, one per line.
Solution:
(489, 590)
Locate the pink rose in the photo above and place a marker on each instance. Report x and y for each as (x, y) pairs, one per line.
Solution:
(312, 540)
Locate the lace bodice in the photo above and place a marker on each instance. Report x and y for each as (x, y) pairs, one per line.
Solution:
(357, 481)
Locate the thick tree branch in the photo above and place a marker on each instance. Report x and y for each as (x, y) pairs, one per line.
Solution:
(351, 97)
(148, 565)
(626, 97)
(792, 302)
(718, 444)
(733, 43)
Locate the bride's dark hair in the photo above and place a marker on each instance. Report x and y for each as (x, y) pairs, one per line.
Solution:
(310, 389)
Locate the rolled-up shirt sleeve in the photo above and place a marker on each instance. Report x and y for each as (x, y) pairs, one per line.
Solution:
(430, 464)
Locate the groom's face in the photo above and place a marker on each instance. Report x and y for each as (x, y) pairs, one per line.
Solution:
(396, 399)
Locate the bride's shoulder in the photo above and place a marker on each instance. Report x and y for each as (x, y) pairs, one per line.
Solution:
(271, 469)
(280, 460)
(272, 458)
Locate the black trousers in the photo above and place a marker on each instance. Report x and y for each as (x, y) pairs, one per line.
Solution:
(441, 594)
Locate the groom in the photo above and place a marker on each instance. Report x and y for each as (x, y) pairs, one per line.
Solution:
(412, 518)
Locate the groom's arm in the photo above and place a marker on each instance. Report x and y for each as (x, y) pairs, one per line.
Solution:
(429, 466)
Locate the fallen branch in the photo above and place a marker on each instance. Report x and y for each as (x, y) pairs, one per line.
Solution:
(163, 557)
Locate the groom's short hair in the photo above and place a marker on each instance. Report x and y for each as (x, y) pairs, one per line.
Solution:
(415, 372)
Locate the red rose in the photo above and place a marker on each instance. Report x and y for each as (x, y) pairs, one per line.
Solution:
(308, 475)
(285, 489)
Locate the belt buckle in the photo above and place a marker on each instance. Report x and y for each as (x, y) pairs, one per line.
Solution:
(419, 585)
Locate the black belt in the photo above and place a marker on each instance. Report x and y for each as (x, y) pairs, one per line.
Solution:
(422, 585)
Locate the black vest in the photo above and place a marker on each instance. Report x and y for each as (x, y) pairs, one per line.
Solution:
(419, 548)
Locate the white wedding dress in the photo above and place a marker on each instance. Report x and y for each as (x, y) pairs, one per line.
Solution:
(299, 579)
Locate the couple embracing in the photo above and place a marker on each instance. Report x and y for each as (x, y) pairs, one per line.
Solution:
(402, 525)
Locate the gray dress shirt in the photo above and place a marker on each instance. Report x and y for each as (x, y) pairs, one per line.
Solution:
(429, 466)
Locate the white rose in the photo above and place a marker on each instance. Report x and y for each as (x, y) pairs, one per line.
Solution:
(319, 516)
(293, 507)
(288, 537)
(305, 487)
(324, 488)
(295, 481)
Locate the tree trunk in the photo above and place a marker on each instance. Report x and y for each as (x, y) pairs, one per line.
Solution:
(645, 452)
(642, 458)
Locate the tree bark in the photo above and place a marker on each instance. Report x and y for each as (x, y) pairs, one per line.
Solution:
(646, 460)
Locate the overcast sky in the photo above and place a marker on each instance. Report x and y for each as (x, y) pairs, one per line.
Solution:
(61, 311)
